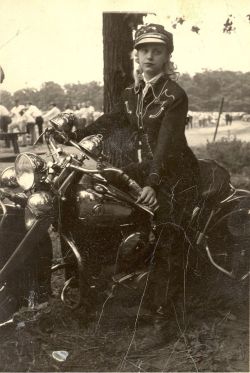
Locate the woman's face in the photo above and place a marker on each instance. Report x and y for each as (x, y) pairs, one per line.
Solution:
(152, 59)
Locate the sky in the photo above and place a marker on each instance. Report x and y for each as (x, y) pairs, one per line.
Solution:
(61, 40)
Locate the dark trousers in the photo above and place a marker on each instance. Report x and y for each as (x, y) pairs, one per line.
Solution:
(39, 123)
(4, 122)
(169, 260)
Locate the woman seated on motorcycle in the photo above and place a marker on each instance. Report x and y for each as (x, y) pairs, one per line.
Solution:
(153, 111)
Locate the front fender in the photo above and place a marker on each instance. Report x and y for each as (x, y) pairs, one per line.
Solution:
(25, 247)
(12, 229)
(12, 219)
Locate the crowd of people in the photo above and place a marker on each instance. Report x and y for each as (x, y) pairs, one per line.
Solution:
(209, 119)
(30, 121)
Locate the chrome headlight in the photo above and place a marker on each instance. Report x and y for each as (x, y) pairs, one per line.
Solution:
(30, 169)
(39, 205)
(8, 178)
(93, 144)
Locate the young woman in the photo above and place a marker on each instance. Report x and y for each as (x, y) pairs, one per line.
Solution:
(154, 113)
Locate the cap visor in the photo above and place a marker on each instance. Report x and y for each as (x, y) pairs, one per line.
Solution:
(150, 41)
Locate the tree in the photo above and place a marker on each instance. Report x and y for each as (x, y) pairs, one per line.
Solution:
(78, 93)
(51, 92)
(206, 89)
(6, 99)
(26, 95)
(117, 48)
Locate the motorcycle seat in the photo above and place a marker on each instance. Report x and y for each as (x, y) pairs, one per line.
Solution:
(215, 180)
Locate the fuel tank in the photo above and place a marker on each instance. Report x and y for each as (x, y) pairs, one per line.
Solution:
(97, 205)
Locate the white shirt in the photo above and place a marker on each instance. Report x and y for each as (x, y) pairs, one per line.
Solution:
(3, 111)
(15, 113)
(28, 118)
(149, 82)
(51, 113)
(97, 114)
(16, 109)
(83, 112)
(34, 111)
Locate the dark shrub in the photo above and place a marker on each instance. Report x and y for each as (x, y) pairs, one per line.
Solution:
(232, 154)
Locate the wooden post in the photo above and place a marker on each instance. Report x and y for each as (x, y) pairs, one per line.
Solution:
(118, 74)
(218, 120)
(117, 47)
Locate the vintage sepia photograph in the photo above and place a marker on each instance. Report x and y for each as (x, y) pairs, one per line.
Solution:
(124, 185)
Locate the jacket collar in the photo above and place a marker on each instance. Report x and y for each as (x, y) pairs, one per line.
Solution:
(152, 80)
(156, 88)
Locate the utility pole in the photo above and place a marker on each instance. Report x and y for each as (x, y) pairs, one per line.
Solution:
(218, 120)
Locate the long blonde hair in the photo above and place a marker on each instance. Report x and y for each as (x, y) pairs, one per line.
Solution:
(170, 68)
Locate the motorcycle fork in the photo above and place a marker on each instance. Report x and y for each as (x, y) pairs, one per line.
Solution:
(84, 287)
(202, 235)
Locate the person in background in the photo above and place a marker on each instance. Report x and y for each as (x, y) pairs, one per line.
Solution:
(2, 75)
(30, 121)
(97, 114)
(36, 114)
(68, 108)
(189, 121)
(15, 112)
(4, 113)
(90, 113)
(20, 124)
(82, 114)
(5, 120)
(51, 113)
(76, 109)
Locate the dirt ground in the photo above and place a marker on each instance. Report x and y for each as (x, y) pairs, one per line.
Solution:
(206, 331)
(200, 136)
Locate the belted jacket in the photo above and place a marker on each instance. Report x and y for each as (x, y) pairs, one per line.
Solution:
(157, 121)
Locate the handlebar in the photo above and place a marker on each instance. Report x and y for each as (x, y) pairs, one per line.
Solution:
(59, 126)
(132, 184)
(18, 198)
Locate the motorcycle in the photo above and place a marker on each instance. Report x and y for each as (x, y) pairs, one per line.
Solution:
(107, 238)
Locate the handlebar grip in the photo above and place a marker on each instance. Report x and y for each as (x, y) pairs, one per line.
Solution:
(131, 183)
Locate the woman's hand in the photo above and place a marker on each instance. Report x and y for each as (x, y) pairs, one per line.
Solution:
(148, 197)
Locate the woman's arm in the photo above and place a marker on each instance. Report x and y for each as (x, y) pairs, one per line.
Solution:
(171, 138)
(106, 123)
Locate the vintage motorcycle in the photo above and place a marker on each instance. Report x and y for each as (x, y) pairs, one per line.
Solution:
(107, 238)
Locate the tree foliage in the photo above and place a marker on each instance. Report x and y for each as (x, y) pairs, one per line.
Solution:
(92, 92)
(71, 94)
(228, 27)
(206, 89)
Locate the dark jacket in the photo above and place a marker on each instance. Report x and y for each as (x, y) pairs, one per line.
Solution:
(156, 124)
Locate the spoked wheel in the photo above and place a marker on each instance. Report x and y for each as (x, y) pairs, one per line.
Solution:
(70, 294)
(232, 261)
